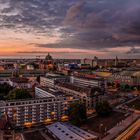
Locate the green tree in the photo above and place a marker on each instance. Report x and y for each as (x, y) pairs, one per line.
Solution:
(4, 90)
(18, 94)
(77, 113)
(127, 87)
(103, 109)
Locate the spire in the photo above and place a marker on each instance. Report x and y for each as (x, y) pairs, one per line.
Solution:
(116, 61)
(48, 57)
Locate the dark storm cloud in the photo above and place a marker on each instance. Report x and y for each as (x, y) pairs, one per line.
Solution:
(88, 24)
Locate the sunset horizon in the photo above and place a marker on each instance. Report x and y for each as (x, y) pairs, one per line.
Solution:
(85, 28)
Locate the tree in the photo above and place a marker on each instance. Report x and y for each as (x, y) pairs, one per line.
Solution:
(118, 85)
(77, 113)
(113, 85)
(127, 87)
(138, 87)
(103, 109)
(96, 67)
(109, 84)
(122, 87)
(4, 90)
(38, 79)
(18, 94)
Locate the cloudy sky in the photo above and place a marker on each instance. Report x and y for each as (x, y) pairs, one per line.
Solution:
(69, 28)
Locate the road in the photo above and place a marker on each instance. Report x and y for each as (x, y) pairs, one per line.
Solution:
(127, 101)
(116, 130)
(129, 131)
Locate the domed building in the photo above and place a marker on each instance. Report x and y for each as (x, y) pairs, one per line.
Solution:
(48, 61)
(48, 57)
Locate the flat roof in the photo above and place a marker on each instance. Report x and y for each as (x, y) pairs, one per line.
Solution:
(64, 131)
(87, 78)
(19, 80)
(75, 87)
(53, 75)
(80, 131)
(52, 91)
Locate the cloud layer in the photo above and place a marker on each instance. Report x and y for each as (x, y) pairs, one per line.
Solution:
(77, 24)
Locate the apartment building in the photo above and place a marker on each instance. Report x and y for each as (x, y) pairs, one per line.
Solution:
(89, 82)
(84, 81)
(44, 92)
(89, 96)
(51, 79)
(25, 113)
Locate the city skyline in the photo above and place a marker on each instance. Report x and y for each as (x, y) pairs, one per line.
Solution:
(69, 29)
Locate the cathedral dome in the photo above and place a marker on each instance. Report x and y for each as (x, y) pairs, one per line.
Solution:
(48, 57)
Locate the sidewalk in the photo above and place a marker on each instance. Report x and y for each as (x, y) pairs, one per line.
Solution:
(120, 127)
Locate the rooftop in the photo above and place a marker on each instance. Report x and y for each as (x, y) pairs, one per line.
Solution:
(53, 75)
(19, 80)
(65, 131)
(89, 77)
(51, 92)
(130, 73)
(74, 87)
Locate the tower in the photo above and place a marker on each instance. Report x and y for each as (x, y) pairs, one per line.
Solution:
(95, 62)
(116, 61)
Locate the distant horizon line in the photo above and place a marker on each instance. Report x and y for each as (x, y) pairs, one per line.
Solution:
(36, 58)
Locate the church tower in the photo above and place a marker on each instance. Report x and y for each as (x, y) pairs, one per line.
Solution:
(116, 61)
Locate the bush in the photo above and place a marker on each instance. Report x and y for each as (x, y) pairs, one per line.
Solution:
(77, 113)
(18, 94)
(103, 109)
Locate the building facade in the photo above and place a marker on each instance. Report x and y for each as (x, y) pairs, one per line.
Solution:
(65, 131)
(19, 82)
(89, 96)
(126, 77)
(51, 79)
(25, 113)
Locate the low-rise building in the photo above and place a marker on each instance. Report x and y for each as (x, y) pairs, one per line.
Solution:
(89, 96)
(19, 82)
(63, 131)
(85, 81)
(43, 92)
(126, 77)
(51, 79)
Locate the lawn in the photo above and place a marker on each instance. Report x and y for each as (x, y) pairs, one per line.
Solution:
(94, 124)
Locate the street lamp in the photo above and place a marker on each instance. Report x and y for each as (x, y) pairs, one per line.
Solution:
(133, 107)
(100, 130)
(105, 131)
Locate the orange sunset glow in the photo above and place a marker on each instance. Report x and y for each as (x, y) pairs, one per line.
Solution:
(84, 28)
